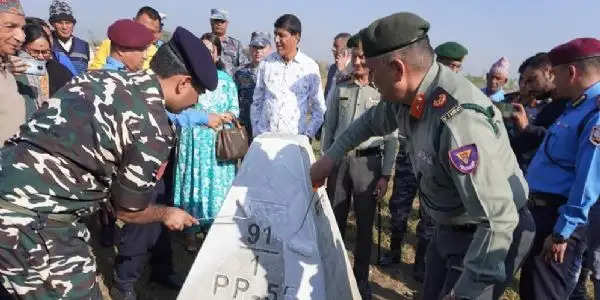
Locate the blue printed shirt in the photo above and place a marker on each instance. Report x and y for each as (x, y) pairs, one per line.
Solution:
(568, 161)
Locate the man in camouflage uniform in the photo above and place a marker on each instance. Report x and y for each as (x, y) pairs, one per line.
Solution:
(105, 136)
(233, 55)
(245, 77)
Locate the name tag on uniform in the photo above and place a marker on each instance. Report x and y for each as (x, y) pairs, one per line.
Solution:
(341, 98)
(595, 136)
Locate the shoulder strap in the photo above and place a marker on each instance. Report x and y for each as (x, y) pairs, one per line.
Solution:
(585, 120)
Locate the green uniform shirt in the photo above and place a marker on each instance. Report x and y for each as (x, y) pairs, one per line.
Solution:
(347, 103)
(487, 189)
(103, 136)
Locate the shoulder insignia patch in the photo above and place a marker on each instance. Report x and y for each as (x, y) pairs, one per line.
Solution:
(418, 106)
(464, 159)
(451, 113)
(440, 100)
(595, 136)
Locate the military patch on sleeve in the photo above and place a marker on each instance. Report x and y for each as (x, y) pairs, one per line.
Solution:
(595, 136)
(464, 159)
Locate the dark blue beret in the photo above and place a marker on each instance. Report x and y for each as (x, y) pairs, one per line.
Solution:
(196, 57)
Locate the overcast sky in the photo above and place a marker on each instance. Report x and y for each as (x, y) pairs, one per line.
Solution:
(489, 29)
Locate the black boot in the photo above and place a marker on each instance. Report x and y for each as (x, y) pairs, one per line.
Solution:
(419, 266)
(364, 288)
(394, 256)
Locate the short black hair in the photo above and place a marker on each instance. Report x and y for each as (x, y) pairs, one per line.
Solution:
(215, 40)
(34, 32)
(36, 21)
(165, 63)
(150, 12)
(537, 61)
(290, 23)
(343, 35)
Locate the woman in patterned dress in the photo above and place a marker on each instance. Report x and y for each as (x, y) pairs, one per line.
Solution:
(201, 181)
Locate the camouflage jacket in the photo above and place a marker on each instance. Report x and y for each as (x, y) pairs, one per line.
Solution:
(103, 136)
(245, 79)
(233, 55)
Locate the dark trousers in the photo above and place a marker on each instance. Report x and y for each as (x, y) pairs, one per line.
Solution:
(405, 190)
(135, 242)
(551, 281)
(403, 195)
(591, 257)
(447, 250)
(355, 179)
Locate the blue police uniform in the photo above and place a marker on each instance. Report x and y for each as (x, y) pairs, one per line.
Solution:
(564, 184)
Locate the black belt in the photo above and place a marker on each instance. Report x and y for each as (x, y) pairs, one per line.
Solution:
(462, 228)
(546, 200)
(373, 151)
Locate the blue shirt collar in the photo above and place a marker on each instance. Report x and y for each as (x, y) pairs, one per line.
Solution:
(114, 65)
(590, 93)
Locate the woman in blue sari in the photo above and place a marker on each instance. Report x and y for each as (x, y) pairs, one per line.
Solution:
(201, 181)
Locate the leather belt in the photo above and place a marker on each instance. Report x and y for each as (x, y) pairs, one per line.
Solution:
(373, 151)
(546, 200)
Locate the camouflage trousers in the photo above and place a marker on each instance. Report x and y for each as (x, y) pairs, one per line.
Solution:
(46, 261)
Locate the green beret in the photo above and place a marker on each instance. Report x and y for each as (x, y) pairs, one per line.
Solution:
(393, 32)
(353, 41)
(452, 50)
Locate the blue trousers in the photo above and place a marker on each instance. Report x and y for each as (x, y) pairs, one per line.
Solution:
(135, 242)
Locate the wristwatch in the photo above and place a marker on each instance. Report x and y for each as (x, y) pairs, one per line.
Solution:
(558, 239)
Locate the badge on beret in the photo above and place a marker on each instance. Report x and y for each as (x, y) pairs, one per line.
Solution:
(465, 158)
(595, 136)
(418, 106)
(440, 100)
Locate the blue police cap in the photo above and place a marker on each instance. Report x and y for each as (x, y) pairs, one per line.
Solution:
(219, 14)
(195, 56)
(260, 39)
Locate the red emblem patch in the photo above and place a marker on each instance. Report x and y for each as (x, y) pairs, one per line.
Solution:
(418, 106)
(440, 100)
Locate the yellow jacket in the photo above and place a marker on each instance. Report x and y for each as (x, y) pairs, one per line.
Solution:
(104, 51)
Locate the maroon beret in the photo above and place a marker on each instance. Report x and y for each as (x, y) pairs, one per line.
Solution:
(130, 34)
(574, 50)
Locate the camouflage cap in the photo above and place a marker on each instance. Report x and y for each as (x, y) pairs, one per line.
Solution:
(452, 50)
(219, 14)
(393, 32)
(11, 7)
(260, 39)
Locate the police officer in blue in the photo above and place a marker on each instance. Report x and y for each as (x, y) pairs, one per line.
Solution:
(564, 175)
